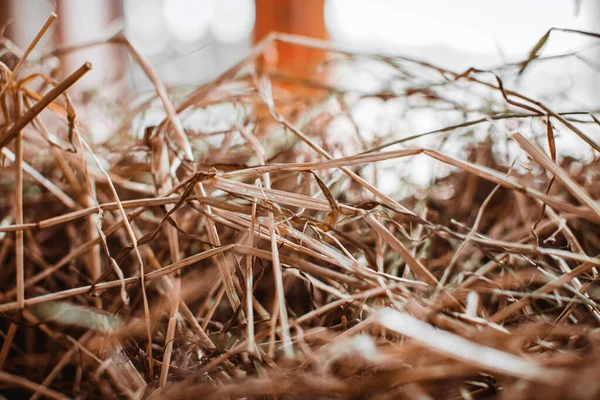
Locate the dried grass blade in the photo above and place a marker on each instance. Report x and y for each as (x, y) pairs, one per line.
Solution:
(515, 307)
(20, 271)
(38, 107)
(27, 384)
(63, 362)
(52, 188)
(324, 164)
(470, 235)
(533, 54)
(277, 269)
(498, 178)
(28, 51)
(170, 336)
(180, 137)
(415, 265)
(454, 346)
(11, 306)
(542, 159)
(249, 282)
(135, 247)
(8, 341)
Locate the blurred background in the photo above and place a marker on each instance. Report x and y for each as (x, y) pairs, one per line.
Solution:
(192, 41)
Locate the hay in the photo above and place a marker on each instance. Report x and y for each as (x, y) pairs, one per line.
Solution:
(260, 253)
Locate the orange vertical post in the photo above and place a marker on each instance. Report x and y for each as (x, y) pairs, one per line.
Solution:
(303, 17)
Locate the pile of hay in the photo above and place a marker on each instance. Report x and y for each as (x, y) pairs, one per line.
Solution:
(260, 253)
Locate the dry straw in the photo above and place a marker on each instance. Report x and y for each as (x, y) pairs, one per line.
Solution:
(276, 264)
